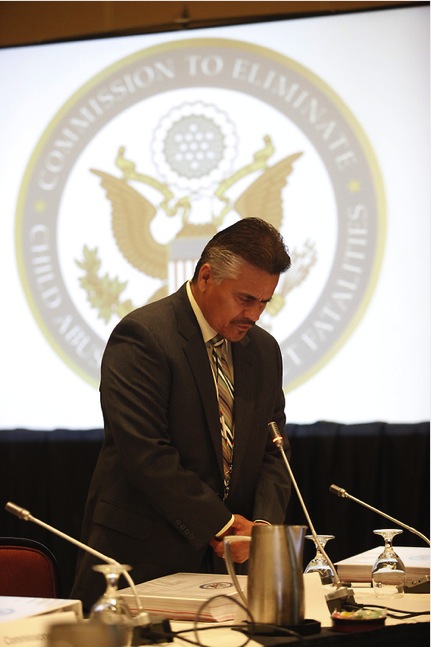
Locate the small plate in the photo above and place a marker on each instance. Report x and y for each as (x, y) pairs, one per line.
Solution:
(361, 620)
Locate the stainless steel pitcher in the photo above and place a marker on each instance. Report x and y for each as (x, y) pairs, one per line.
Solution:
(275, 583)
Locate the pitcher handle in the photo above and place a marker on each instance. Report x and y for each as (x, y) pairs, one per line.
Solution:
(228, 559)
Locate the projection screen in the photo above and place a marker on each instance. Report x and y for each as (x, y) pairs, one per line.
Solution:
(122, 156)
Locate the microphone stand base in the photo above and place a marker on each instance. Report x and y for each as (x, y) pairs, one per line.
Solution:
(157, 631)
(420, 585)
(339, 597)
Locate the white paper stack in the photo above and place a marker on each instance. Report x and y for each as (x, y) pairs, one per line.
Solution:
(26, 621)
(189, 596)
(358, 568)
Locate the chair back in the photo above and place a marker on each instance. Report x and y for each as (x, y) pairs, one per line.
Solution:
(27, 569)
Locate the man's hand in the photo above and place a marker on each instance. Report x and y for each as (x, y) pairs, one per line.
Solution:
(241, 526)
(240, 550)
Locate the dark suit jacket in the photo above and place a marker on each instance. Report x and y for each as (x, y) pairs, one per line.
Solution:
(155, 500)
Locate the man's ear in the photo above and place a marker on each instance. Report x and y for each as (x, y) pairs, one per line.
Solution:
(205, 274)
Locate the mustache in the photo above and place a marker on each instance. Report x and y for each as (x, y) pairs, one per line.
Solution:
(246, 322)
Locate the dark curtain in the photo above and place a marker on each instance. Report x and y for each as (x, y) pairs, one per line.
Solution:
(386, 465)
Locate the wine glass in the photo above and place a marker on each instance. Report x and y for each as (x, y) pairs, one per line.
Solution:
(319, 563)
(388, 573)
(111, 608)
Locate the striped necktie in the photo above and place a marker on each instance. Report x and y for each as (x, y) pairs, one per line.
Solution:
(225, 392)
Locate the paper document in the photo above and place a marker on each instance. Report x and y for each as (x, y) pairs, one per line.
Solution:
(14, 608)
(26, 621)
(358, 568)
(181, 596)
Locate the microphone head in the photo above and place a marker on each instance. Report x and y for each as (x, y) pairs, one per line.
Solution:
(277, 439)
(273, 428)
(337, 490)
(22, 513)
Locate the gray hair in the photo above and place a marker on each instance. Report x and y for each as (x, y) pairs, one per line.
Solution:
(225, 264)
(250, 240)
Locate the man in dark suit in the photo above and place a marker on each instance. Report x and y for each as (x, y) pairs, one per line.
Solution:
(162, 495)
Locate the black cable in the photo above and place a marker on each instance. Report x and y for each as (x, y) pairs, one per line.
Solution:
(249, 630)
(280, 631)
(195, 629)
(396, 613)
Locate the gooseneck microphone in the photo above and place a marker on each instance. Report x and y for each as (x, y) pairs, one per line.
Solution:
(339, 491)
(24, 514)
(342, 592)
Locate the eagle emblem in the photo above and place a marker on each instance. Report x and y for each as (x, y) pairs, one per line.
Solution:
(133, 213)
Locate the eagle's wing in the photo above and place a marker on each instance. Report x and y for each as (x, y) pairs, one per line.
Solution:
(131, 217)
(262, 199)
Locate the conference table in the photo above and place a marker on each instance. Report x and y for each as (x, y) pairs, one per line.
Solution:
(401, 626)
(407, 623)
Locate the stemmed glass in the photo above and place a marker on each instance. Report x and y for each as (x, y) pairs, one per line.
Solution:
(319, 563)
(388, 573)
(111, 608)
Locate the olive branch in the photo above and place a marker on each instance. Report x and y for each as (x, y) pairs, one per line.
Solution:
(103, 292)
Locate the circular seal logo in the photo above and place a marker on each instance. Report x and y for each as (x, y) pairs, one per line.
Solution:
(216, 585)
(144, 163)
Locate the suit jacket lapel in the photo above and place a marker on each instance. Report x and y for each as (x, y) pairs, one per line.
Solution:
(197, 357)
